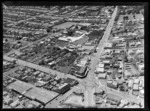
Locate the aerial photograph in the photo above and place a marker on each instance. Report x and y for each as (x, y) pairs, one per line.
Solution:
(73, 56)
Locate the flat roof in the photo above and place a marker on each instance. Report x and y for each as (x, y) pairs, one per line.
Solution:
(41, 95)
(20, 86)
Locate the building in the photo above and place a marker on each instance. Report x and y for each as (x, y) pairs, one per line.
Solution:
(99, 70)
(101, 65)
(140, 67)
(8, 100)
(106, 61)
(136, 93)
(99, 91)
(136, 81)
(102, 76)
(120, 81)
(130, 83)
(135, 87)
(82, 72)
(114, 99)
(112, 84)
(141, 93)
(36, 104)
(15, 103)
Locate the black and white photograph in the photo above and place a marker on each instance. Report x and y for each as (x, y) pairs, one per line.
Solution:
(73, 56)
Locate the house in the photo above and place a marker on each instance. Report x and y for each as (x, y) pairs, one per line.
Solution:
(15, 103)
(135, 87)
(136, 93)
(141, 93)
(120, 81)
(99, 69)
(102, 76)
(127, 74)
(101, 65)
(106, 61)
(5, 93)
(123, 87)
(120, 71)
(109, 72)
(113, 98)
(30, 106)
(136, 81)
(112, 84)
(36, 104)
(140, 67)
(99, 91)
(124, 102)
(130, 83)
(8, 100)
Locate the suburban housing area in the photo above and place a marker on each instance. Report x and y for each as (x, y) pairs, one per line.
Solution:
(73, 56)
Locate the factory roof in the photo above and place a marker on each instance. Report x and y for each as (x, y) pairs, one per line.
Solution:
(20, 86)
(41, 95)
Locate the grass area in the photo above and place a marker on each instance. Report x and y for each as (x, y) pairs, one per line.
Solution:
(65, 25)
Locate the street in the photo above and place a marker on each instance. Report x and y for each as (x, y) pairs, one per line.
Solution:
(90, 80)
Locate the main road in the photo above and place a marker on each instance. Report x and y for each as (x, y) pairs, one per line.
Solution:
(90, 80)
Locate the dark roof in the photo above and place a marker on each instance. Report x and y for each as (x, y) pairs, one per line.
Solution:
(95, 33)
(82, 70)
(62, 43)
(63, 89)
(65, 69)
(114, 97)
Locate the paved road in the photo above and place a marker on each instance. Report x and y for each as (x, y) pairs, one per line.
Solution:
(56, 101)
(41, 68)
(122, 94)
(90, 81)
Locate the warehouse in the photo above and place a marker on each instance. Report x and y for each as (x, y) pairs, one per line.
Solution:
(32, 92)
(41, 95)
(20, 87)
